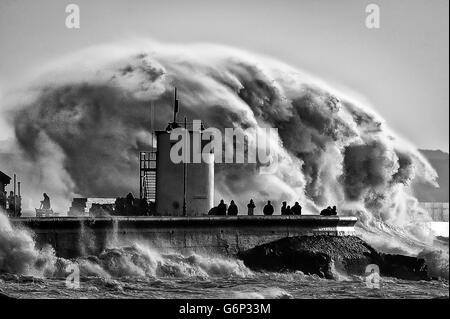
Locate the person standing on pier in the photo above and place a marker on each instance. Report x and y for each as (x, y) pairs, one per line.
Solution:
(232, 209)
(222, 208)
(288, 210)
(11, 204)
(268, 209)
(296, 209)
(334, 211)
(45, 204)
(327, 211)
(251, 207)
(284, 208)
(3, 200)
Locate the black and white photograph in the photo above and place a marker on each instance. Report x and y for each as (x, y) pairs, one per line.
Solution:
(242, 152)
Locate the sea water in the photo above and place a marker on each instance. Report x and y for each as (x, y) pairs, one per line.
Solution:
(257, 286)
(138, 270)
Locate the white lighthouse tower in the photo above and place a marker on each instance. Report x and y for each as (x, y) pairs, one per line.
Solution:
(186, 188)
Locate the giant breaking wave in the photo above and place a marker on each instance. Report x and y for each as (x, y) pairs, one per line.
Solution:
(81, 122)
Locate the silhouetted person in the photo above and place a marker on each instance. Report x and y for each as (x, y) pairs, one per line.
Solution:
(130, 199)
(284, 208)
(3, 199)
(251, 207)
(213, 211)
(326, 212)
(296, 209)
(45, 204)
(268, 209)
(143, 208)
(152, 208)
(288, 210)
(232, 209)
(334, 211)
(11, 204)
(119, 206)
(129, 209)
(222, 208)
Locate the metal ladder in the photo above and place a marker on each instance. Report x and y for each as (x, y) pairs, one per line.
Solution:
(147, 168)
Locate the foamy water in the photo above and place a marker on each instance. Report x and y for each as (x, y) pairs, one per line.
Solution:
(257, 286)
(139, 271)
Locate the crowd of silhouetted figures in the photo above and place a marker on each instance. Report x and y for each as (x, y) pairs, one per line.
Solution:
(124, 206)
(12, 204)
(232, 210)
(130, 206)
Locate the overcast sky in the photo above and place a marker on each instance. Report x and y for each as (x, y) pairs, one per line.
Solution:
(401, 68)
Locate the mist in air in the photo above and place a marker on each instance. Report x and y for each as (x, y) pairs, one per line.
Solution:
(85, 117)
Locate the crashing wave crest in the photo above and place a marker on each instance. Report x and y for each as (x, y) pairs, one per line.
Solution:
(139, 260)
(331, 148)
(19, 255)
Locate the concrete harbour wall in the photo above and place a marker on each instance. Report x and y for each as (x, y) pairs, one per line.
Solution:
(72, 237)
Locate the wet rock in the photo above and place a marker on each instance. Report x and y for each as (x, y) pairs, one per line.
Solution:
(404, 267)
(322, 255)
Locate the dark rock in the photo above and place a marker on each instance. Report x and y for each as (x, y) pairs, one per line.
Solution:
(403, 267)
(320, 255)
